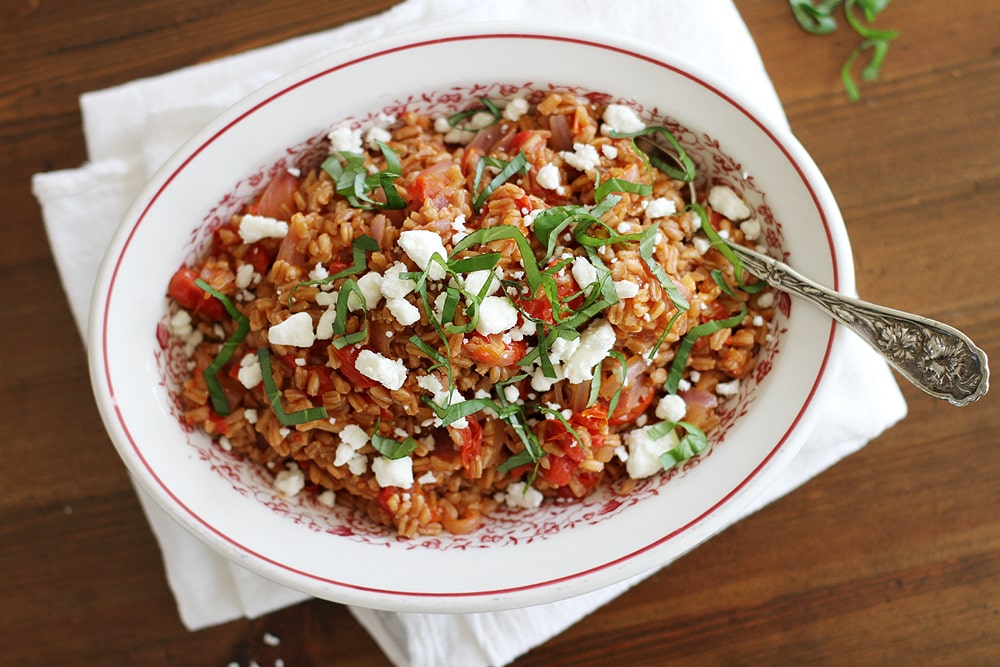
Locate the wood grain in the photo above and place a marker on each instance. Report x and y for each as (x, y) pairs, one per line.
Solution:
(890, 557)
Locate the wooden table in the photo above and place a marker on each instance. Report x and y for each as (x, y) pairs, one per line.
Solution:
(891, 557)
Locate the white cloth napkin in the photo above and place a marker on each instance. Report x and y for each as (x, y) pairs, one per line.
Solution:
(130, 130)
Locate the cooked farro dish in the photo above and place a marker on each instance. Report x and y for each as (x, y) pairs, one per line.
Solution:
(449, 315)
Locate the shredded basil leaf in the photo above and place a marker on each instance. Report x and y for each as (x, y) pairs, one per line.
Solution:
(353, 182)
(274, 396)
(685, 173)
(390, 448)
(696, 332)
(727, 252)
(341, 338)
(621, 185)
(456, 119)
(517, 165)
(690, 445)
(360, 248)
(211, 373)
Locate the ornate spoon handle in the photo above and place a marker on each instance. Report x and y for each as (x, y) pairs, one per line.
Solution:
(935, 357)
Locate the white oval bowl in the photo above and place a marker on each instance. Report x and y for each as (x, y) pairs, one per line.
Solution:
(518, 558)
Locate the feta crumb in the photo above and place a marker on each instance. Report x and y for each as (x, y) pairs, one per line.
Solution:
(671, 408)
(421, 245)
(253, 228)
(393, 472)
(496, 315)
(377, 134)
(621, 118)
(661, 207)
(345, 140)
(549, 177)
(701, 244)
(475, 281)
(250, 414)
(626, 289)
(249, 373)
(327, 498)
(296, 331)
(441, 125)
(765, 300)
(245, 276)
(521, 497)
(644, 452)
(726, 202)
(609, 151)
(516, 108)
(750, 229)
(584, 157)
(390, 373)
(404, 311)
(584, 273)
(757, 321)
(595, 345)
(427, 478)
(728, 388)
(392, 285)
(370, 286)
(318, 272)
(290, 481)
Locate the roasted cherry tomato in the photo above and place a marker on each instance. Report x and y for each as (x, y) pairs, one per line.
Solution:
(493, 351)
(184, 291)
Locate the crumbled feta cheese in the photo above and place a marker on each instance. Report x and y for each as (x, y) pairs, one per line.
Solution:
(421, 245)
(644, 452)
(701, 244)
(296, 331)
(377, 134)
(404, 311)
(521, 496)
(726, 202)
(512, 393)
(609, 151)
(496, 315)
(245, 276)
(661, 207)
(392, 285)
(318, 272)
(249, 373)
(584, 157)
(765, 300)
(430, 383)
(253, 228)
(345, 140)
(516, 108)
(393, 472)
(370, 286)
(595, 345)
(390, 373)
(750, 229)
(427, 478)
(562, 349)
(549, 177)
(671, 408)
(324, 327)
(728, 388)
(475, 281)
(327, 498)
(441, 125)
(757, 321)
(621, 118)
(626, 289)
(290, 481)
(250, 415)
(584, 273)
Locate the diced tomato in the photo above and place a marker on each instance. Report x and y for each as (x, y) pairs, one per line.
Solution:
(219, 424)
(384, 495)
(348, 367)
(432, 183)
(633, 401)
(185, 292)
(560, 470)
(278, 199)
(336, 267)
(714, 311)
(259, 258)
(493, 351)
(538, 305)
(469, 441)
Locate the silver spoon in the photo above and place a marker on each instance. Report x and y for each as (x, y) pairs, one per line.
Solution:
(935, 357)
